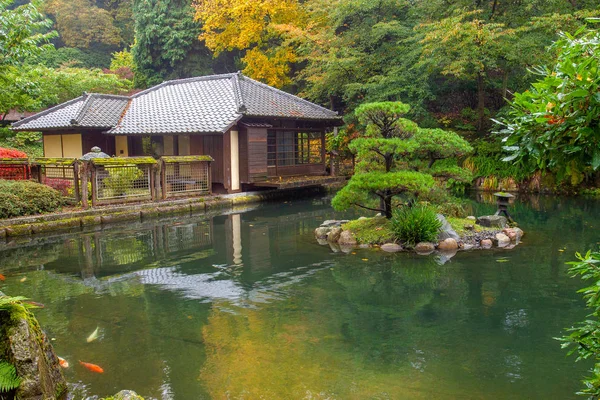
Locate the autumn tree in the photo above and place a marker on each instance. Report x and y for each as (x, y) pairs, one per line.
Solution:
(166, 42)
(256, 27)
(81, 23)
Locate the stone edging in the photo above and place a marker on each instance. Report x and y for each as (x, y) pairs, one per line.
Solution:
(24, 226)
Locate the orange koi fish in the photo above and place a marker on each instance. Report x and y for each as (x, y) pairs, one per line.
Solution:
(2, 277)
(63, 363)
(92, 367)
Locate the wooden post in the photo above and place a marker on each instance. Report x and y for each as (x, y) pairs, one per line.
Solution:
(151, 173)
(76, 165)
(163, 179)
(84, 184)
(94, 184)
(38, 168)
(209, 176)
(332, 163)
(323, 158)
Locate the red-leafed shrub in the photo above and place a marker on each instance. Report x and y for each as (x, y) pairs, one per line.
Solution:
(61, 185)
(13, 172)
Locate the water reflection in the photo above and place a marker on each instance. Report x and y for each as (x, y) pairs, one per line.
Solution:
(248, 305)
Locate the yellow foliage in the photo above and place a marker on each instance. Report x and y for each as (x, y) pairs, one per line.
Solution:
(258, 26)
(80, 23)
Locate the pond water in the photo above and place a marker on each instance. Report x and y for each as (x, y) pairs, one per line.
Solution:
(248, 305)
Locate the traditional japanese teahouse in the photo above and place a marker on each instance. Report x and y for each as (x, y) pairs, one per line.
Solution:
(253, 131)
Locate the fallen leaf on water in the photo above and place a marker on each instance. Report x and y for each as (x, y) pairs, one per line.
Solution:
(23, 279)
(353, 252)
(365, 259)
(561, 250)
(2, 277)
(502, 260)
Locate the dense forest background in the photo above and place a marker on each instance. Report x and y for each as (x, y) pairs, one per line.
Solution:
(457, 63)
(454, 61)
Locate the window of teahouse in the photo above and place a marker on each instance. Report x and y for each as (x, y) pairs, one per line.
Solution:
(146, 146)
(288, 148)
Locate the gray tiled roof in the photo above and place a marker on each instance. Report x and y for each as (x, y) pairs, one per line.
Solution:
(266, 101)
(209, 104)
(89, 111)
(59, 116)
(184, 106)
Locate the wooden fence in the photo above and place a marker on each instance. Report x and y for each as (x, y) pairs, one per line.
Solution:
(115, 180)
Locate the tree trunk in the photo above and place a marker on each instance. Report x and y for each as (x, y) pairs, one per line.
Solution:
(389, 162)
(388, 206)
(480, 102)
(431, 160)
(493, 9)
(505, 85)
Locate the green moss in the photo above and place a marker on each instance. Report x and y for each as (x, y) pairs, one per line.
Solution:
(14, 161)
(54, 161)
(458, 224)
(176, 159)
(246, 199)
(56, 225)
(123, 161)
(377, 230)
(18, 230)
(91, 220)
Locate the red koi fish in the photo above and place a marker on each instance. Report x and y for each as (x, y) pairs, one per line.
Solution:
(2, 277)
(92, 367)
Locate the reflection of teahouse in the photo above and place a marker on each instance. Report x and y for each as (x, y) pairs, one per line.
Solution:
(503, 200)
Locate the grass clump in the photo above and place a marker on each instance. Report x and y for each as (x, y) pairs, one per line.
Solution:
(27, 198)
(377, 230)
(416, 224)
(458, 224)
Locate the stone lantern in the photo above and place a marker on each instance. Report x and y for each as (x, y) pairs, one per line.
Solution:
(503, 200)
(95, 152)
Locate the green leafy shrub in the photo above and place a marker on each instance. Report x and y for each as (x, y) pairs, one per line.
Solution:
(120, 180)
(416, 224)
(26, 198)
(584, 339)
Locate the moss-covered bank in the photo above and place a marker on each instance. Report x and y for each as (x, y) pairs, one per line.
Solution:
(24, 345)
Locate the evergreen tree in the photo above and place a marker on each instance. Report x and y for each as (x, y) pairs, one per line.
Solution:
(166, 42)
(392, 154)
